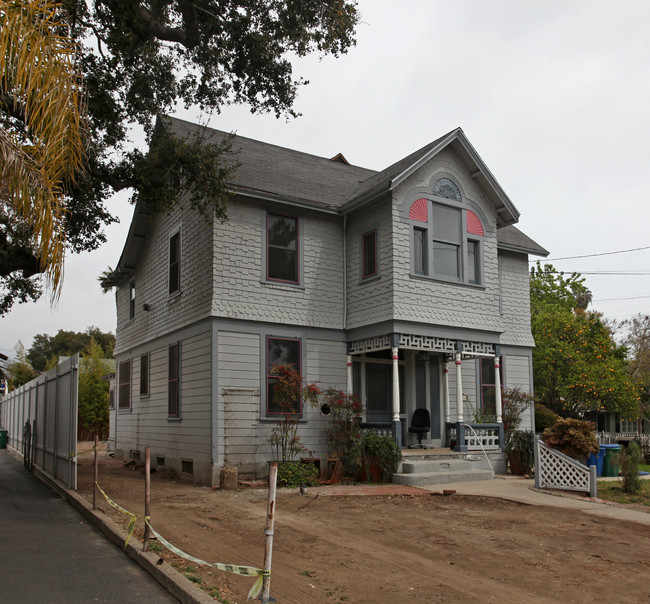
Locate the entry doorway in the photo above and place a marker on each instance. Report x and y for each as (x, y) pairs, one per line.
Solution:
(427, 394)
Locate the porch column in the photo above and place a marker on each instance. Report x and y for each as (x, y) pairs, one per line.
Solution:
(459, 389)
(497, 386)
(397, 432)
(349, 361)
(445, 390)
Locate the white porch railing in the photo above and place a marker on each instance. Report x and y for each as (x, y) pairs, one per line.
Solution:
(612, 438)
(555, 470)
(469, 436)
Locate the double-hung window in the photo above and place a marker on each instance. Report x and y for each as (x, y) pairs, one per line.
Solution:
(282, 248)
(173, 382)
(287, 352)
(131, 300)
(175, 263)
(369, 259)
(488, 387)
(144, 375)
(447, 237)
(124, 387)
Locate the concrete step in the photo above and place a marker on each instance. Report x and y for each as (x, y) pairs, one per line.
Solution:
(444, 477)
(435, 465)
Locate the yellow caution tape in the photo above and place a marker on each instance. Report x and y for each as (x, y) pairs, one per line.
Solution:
(247, 571)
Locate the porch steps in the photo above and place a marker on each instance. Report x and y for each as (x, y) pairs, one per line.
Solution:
(443, 471)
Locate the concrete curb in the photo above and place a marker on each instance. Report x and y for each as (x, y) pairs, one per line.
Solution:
(173, 581)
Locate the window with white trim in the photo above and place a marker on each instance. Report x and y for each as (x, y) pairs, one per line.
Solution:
(447, 236)
(488, 386)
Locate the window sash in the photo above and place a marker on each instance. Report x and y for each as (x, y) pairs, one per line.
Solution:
(175, 263)
(281, 351)
(473, 262)
(132, 300)
(282, 248)
(124, 387)
(420, 251)
(369, 251)
(488, 385)
(173, 390)
(144, 375)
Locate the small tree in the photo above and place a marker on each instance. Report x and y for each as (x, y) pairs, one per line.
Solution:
(514, 402)
(346, 412)
(93, 397)
(289, 393)
(629, 460)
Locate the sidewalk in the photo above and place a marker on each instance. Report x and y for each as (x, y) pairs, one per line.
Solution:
(522, 490)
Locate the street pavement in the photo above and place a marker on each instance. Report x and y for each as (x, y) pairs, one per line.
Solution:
(49, 553)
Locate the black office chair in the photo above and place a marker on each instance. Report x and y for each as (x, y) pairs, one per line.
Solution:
(420, 425)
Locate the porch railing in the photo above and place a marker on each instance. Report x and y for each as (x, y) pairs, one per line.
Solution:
(612, 438)
(382, 428)
(469, 436)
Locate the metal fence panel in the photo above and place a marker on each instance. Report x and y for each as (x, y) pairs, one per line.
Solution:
(49, 404)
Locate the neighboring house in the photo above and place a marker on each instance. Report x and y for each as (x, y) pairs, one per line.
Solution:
(366, 281)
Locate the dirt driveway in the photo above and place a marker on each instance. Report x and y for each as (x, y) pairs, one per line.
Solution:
(418, 547)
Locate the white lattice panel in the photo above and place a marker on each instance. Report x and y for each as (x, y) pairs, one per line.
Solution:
(557, 471)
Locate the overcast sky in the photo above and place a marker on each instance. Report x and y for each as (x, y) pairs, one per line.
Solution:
(554, 96)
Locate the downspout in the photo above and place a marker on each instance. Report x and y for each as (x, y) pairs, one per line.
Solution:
(345, 271)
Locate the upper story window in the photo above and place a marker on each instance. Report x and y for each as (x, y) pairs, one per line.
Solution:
(131, 300)
(173, 382)
(447, 238)
(369, 255)
(282, 257)
(175, 263)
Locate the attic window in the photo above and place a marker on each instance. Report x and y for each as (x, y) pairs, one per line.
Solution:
(447, 188)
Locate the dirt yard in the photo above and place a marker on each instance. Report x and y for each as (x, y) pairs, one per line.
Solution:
(415, 547)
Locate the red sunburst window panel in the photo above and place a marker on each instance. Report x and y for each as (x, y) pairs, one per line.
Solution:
(419, 210)
(474, 226)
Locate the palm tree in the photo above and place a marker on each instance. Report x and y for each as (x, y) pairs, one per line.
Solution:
(41, 125)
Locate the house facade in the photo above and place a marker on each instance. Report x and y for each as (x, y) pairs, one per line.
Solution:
(408, 287)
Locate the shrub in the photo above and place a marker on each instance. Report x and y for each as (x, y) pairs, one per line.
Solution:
(296, 473)
(514, 402)
(573, 437)
(374, 448)
(520, 447)
(544, 417)
(629, 460)
(346, 412)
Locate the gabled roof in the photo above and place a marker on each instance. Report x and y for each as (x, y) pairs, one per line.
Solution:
(391, 177)
(275, 173)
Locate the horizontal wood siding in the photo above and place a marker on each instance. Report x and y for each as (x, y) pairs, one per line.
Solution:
(147, 424)
(517, 370)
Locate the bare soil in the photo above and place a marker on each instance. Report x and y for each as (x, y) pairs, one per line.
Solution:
(407, 545)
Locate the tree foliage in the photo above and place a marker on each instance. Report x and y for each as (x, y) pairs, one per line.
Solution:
(41, 144)
(45, 349)
(577, 365)
(143, 59)
(93, 389)
(20, 370)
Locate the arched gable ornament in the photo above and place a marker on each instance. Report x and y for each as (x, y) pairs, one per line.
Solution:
(474, 225)
(447, 188)
(419, 210)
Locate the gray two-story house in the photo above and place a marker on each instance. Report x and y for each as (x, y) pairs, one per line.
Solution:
(408, 287)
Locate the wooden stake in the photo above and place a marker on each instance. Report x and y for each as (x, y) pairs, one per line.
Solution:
(147, 496)
(270, 520)
(95, 472)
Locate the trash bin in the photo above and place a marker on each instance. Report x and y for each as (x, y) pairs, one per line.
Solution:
(3, 438)
(597, 459)
(610, 465)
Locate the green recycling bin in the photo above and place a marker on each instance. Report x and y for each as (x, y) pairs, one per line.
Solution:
(3, 438)
(610, 463)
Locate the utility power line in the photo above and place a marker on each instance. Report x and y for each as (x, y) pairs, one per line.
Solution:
(634, 249)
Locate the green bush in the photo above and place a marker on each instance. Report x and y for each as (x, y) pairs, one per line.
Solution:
(573, 437)
(629, 459)
(544, 417)
(382, 450)
(520, 446)
(296, 473)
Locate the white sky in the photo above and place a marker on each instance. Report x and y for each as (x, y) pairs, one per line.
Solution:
(554, 96)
